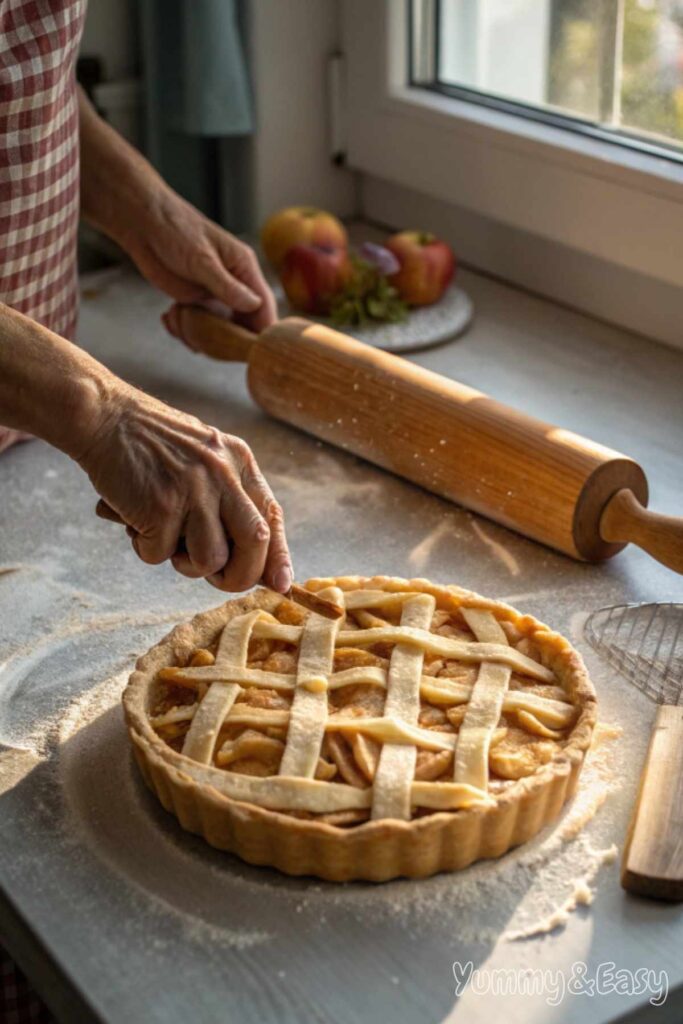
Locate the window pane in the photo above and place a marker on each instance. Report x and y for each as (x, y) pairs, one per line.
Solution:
(618, 63)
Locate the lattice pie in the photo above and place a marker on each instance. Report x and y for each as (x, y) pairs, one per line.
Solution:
(371, 728)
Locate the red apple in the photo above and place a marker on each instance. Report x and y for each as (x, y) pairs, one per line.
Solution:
(427, 266)
(312, 275)
(297, 225)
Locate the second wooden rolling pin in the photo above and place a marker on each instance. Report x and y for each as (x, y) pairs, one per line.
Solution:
(543, 481)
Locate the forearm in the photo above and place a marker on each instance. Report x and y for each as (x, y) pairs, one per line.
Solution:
(119, 188)
(166, 474)
(51, 388)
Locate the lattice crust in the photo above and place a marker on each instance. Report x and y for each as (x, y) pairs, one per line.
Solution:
(403, 706)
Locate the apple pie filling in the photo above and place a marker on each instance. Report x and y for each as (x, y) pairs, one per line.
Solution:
(477, 723)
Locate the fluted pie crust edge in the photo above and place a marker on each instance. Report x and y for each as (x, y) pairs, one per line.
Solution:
(376, 850)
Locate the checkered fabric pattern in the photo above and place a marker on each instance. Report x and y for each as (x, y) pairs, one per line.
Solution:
(39, 201)
(39, 157)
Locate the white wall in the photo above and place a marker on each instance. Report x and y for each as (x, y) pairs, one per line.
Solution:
(290, 42)
(594, 286)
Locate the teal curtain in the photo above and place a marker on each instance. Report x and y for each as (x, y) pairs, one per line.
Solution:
(197, 101)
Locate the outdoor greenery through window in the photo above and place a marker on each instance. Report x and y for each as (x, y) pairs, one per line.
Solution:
(615, 65)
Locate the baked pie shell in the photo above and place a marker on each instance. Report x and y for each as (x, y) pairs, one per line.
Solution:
(374, 850)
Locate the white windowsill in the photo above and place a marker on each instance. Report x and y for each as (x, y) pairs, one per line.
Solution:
(610, 161)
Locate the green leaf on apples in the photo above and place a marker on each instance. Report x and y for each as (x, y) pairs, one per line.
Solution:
(368, 297)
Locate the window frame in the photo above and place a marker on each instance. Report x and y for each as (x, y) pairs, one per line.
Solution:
(428, 77)
(620, 204)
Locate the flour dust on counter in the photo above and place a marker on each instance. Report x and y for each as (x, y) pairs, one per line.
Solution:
(581, 895)
(59, 635)
(499, 551)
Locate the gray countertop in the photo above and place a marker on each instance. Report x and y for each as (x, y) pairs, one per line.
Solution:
(122, 917)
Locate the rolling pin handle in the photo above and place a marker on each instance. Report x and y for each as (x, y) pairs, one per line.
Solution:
(624, 520)
(214, 336)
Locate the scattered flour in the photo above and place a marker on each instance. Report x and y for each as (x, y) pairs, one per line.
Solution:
(597, 782)
(498, 550)
(420, 555)
(27, 682)
(581, 895)
(323, 484)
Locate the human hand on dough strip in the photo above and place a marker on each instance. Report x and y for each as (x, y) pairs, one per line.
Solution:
(189, 493)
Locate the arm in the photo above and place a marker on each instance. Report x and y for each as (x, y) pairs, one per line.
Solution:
(50, 387)
(174, 246)
(165, 473)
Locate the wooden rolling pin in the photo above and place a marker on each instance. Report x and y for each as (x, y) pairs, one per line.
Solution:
(545, 482)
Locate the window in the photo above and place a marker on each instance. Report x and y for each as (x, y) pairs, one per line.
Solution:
(612, 69)
(565, 212)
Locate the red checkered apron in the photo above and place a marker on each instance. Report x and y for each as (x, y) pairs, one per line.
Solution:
(38, 223)
(39, 160)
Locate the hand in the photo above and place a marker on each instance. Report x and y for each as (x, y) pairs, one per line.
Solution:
(169, 476)
(192, 259)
